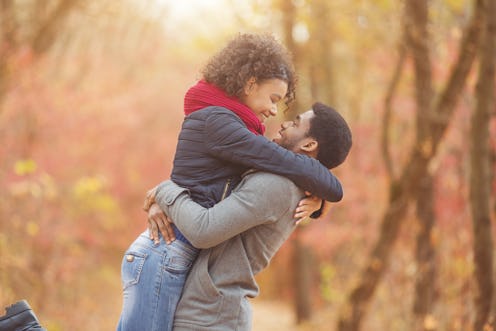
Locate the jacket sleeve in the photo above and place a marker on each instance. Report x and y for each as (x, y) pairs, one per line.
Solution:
(229, 139)
(261, 199)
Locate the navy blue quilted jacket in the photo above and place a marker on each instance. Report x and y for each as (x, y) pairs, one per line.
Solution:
(215, 148)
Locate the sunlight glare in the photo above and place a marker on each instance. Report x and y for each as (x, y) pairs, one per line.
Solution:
(194, 13)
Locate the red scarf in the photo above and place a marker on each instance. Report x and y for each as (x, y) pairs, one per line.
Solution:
(203, 94)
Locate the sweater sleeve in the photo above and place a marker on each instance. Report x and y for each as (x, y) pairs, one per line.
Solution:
(229, 139)
(263, 198)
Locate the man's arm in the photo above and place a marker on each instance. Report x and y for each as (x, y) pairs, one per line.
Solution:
(260, 198)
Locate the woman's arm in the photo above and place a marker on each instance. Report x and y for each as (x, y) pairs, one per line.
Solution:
(229, 139)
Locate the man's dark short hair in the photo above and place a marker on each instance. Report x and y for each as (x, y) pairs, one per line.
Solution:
(332, 133)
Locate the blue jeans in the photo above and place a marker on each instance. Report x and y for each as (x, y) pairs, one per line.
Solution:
(153, 277)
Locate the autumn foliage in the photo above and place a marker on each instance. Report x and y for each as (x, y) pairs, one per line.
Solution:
(89, 120)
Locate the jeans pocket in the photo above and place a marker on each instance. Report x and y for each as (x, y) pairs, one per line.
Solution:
(177, 262)
(132, 265)
(178, 265)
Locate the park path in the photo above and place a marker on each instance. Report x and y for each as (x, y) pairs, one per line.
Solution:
(272, 316)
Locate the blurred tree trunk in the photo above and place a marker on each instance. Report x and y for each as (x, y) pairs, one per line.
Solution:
(417, 41)
(8, 40)
(425, 282)
(302, 277)
(493, 212)
(480, 177)
(321, 41)
(433, 123)
(36, 35)
(300, 261)
(49, 24)
(289, 11)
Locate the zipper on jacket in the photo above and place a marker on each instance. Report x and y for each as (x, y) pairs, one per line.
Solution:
(225, 189)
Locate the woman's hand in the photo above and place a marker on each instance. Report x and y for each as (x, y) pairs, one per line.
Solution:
(307, 206)
(158, 221)
(149, 199)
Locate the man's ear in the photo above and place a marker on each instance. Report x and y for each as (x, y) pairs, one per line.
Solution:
(249, 85)
(310, 145)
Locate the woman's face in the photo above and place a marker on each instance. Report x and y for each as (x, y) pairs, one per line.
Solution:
(262, 98)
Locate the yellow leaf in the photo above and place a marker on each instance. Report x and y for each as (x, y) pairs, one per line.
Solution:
(32, 228)
(430, 323)
(87, 186)
(25, 167)
(456, 5)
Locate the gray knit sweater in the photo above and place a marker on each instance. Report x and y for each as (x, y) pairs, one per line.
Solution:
(239, 236)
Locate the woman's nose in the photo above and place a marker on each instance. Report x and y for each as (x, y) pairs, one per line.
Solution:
(273, 111)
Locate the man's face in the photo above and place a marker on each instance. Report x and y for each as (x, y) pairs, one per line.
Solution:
(293, 133)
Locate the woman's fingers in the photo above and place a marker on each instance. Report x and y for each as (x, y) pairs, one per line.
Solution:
(155, 220)
(168, 234)
(310, 200)
(158, 222)
(165, 228)
(153, 230)
(302, 214)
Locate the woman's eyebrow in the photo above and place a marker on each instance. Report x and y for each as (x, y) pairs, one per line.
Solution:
(277, 96)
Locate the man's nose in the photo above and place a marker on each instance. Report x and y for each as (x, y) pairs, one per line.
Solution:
(285, 125)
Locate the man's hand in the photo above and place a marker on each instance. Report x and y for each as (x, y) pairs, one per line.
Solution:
(158, 221)
(307, 206)
(149, 199)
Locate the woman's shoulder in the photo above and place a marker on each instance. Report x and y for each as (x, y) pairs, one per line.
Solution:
(213, 118)
(217, 116)
(213, 110)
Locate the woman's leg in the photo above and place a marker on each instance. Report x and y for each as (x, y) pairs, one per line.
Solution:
(153, 277)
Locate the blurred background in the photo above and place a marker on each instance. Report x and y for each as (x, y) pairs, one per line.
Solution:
(91, 95)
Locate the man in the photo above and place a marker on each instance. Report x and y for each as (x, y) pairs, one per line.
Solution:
(240, 234)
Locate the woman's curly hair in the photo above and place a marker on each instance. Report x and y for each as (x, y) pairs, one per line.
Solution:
(250, 55)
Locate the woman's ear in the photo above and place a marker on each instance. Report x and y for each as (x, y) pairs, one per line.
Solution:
(249, 85)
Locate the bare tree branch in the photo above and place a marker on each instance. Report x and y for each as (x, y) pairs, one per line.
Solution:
(480, 173)
(386, 119)
(407, 186)
(450, 95)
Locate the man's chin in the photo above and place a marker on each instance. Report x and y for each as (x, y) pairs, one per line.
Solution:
(280, 142)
